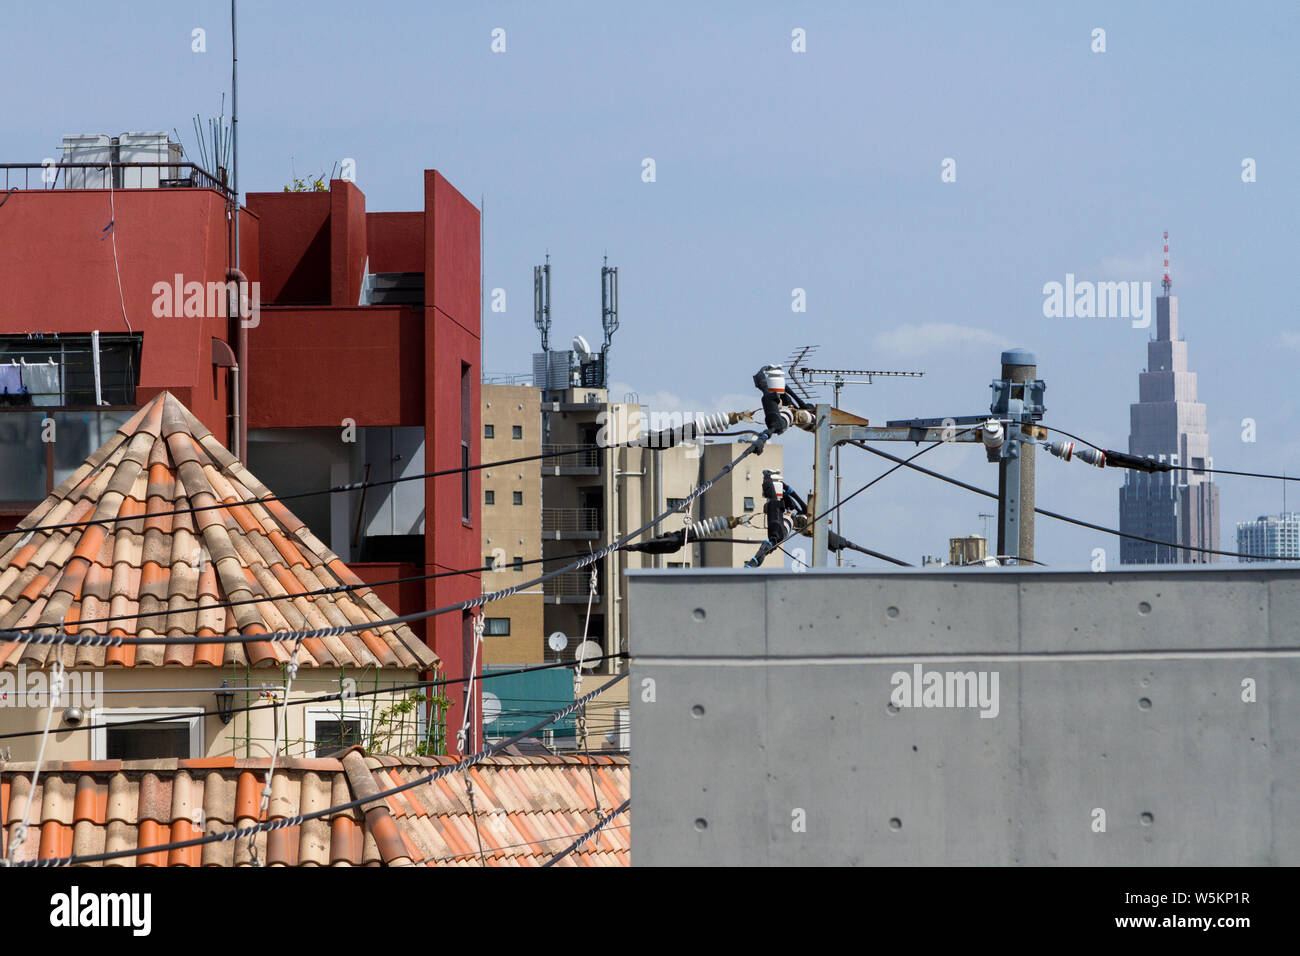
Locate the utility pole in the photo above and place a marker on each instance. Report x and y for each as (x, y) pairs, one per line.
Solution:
(1007, 436)
(1018, 400)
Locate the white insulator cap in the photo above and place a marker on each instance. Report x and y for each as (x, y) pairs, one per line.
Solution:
(993, 433)
(774, 377)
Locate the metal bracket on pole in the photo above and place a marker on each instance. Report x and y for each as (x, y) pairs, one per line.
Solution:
(834, 427)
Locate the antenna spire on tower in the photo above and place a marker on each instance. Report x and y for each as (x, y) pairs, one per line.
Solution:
(1166, 283)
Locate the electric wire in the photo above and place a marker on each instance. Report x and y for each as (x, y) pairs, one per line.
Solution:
(1066, 518)
(320, 699)
(341, 588)
(334, 489)
(1193, 468)
(600, 824)
(294, 821)
(96, 640)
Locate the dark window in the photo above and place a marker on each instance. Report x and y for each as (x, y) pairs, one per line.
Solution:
(519, 497)
(496, 627)
(518, 563)
(749, 504)
(489, 431)
(59, 370)
(489, 497)
(489, 562)
(516, 431)
(675, 503)
(466, 421)
(159, 741)
(335, 735)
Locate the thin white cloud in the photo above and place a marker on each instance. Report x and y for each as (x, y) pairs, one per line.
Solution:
(666, 401)
(935, 337)
(1291, 340)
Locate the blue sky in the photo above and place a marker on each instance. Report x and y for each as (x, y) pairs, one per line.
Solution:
(777, 170)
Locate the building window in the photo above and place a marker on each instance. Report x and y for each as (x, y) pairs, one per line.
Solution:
(678, 564)
(489, 497)
(518, 563)
(62, 371)
(489, 431)
(181, 738)
(466, 420)
(675, 503)
(496, 627)
(516, 431)
(329, 731)
(749, 504)
(489, 562)
(519, 497)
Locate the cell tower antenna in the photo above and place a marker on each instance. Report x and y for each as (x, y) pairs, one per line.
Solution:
(1166, 283)
(542, 301)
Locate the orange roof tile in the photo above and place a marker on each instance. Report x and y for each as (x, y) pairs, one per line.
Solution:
(174, 567)
(88, 807)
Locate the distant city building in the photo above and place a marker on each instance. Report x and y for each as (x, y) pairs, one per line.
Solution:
(1270, 536)
(1168, 424)
(972, 549)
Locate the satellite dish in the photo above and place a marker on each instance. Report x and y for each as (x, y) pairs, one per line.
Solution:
(491, 707)
(581, 347)
(589, 652)
(557, 641)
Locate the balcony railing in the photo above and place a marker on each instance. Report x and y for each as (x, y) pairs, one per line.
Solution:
(581, 456)
(569, 584)
(572, 520)
(153, 175)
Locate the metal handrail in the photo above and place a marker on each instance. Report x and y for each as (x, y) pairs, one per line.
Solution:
(571, 519)
(198, 178)
(583, 456)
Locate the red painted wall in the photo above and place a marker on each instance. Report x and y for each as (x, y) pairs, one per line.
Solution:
(295, 247)
(347, 242)
(396, 241)
(311, 367)
(57, 274)
(451, 340)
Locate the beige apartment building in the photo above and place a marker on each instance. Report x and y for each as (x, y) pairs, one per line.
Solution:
(514, 631)
(579, 501)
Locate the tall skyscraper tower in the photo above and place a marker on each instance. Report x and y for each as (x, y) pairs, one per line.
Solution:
(1168, 423)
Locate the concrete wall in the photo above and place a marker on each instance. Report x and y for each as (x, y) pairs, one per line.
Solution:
(1169, 701)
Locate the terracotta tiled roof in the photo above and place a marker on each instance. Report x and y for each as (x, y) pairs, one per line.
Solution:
(172, 568)
(529, 809)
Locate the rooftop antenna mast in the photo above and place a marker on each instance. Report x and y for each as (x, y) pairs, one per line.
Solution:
(1166, 283)
(542, 301)
(837, 378)
(608, 313)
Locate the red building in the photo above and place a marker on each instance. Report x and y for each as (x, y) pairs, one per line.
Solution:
(360, 357)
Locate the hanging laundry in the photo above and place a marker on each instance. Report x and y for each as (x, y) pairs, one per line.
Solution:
(11, 384)
(42, 380)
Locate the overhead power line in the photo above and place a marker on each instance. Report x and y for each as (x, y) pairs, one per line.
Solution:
(344, 588)
(600, 825)
(656, 441)
(319, 699)
(240, 833)
(1066, 518)
(99, 640)
(1166, 466)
